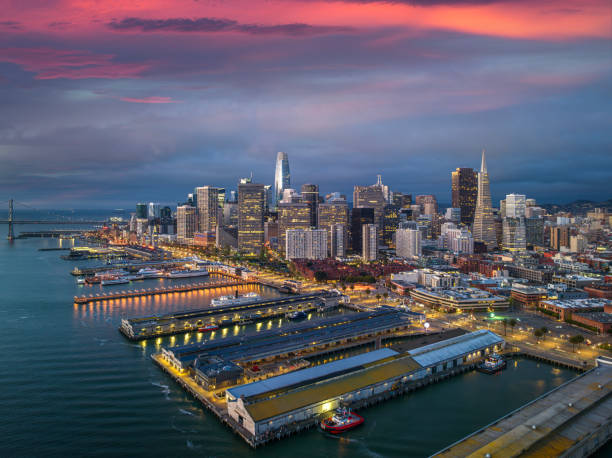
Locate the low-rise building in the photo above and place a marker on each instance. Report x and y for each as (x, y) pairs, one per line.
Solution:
(565, 309)
(459, 299)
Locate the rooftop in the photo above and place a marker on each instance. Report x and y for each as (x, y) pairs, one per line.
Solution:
(579, 303)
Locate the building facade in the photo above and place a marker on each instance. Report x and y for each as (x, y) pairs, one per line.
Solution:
(251, 204)
(291, 216)
(282, 176)
(370, 242)
(186, 223)
(208, 207)
(484, 220)
(464, 187)
(408, 243)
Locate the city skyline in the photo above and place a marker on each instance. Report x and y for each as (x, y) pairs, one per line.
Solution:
(103, 107)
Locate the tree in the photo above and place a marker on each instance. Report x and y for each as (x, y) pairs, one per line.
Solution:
(505, 323)
(385, 295)
(544, 330)
(367, 292)
(538, 333)
(512, 323)
(378, 296)
(320, 276)
(576, 340)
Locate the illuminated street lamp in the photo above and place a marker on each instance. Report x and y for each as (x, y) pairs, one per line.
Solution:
(426, 326)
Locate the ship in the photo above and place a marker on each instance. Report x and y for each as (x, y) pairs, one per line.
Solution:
(188, 273)
(80, 281)
(494, 363)
(150, 273)
(235, 300)
(114, 281)
(297, 315)
(208, 327)
(342, 420)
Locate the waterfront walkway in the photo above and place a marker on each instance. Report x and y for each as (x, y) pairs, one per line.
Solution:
(157, 291)
(574, 419)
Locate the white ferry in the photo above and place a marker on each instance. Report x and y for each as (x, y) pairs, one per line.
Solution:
(151, 273)
(188, 273)
(235, 300)
(115, 281)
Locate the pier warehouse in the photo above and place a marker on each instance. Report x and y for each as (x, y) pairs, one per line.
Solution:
(459, 299)
(265, 407)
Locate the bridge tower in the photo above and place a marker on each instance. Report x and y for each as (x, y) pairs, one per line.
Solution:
(11, 235)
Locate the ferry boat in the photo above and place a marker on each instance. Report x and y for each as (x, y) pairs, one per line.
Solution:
(208, 327)
(494, 363)
(80, 281)
(235, 300)
(114, 281)
(297, 315)
(342, 420)
(150, 273)
(188, 273)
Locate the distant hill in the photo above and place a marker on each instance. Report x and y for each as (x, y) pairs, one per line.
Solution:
(578, 207)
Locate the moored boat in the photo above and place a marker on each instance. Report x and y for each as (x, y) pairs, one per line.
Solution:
(208, 327)
(188, 273)
(342, 420)
(494, 363)
(234, 300)
(297, 315)
(114, 281)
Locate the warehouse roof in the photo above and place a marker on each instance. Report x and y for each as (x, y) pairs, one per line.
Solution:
(435, 353)
(310, 374)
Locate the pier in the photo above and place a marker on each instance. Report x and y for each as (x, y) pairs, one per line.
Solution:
(574, 419)
(157, 291)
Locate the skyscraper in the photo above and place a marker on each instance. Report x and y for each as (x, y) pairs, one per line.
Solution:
(153, 211)
(390, 224)
(142, 211)
(514, 238)
(305, 244)
(282, 177)
(338, 240)
(465, 192)
(371, 197)
(208, 207)
(515, 206)
(369, 248)
(186, 223)
(408, 243)
(428, 204)
(484, 220)
(310, 196)
(251, 204)
(359, 217)
(331, 213)
(291, 216)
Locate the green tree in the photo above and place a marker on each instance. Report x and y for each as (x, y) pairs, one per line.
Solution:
(544, 330)
(538, 333)
(576, 340)
(385, 295)
(512, 323)
(320, 276)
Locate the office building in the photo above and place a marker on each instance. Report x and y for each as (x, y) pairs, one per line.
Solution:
(251, 204)
(402, 200)
(338, 240)
(515, 206)
(310, 196)
(305, 244)
(371, 197)
(207, 198)
(464, 187)
(142, 211)
(359, 217)
(514, 237)
(230, 214)
(331, 213)
(291, 216)
(484, 220)
(578, 243)
(453, 214)
(186, 223)
(428, 204)
(390, 224)
(408, 243)
(534, 231)
(153, 211)
(282, 176)
(369, 242)
(559, 237)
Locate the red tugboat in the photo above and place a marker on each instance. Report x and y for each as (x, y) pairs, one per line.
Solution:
(343, 420)
(208, 327)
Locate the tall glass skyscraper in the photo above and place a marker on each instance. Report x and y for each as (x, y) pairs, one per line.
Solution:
(484, 221)
(282, 177)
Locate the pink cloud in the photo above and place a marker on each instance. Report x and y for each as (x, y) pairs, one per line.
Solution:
(152, 99)
(50, 63)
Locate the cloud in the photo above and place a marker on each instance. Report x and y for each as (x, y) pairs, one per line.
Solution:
(11, 25)
(212, 25)
(151, 99)
(50, 63)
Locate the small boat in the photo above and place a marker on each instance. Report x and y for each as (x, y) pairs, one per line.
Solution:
(297, 315)
(342, 420)
(494, 363)
(80, 281)
(208, 327)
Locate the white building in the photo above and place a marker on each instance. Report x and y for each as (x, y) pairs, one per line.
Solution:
(578, 243)
(369, 242)
(339, 240)
(186, 223)
(514, 237)
(153, 210)
(408, 243)
(306, 244)
(453, 214)
(515, 205)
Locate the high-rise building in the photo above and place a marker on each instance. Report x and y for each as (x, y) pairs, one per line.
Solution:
(142, 211)
(310, 196)
(282, 176)
(534, 231)
(290, 196)
(230, 214)
(484, 220)
(559, 237)
(514, 238)
(186, 223)
(305, 244)
(291, 216)
(408, 243)
(428, 204)
(578, 243)
(338, 240)
(208, 207)
(359, 217)
(371, 197)
(453, 214)
(402, 200)
(464, 187)
(369, 248)
(390, 224)
(515, 205)
(384, 188)
(251, 204)
(153, 211)
(330, 213)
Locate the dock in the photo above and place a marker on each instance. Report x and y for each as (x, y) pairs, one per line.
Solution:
(574, 419)
(158, 291)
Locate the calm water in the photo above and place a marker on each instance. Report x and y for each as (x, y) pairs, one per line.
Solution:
(71, 384)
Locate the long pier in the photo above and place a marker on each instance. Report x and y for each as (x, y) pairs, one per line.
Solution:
(574, 419)
(157, 291)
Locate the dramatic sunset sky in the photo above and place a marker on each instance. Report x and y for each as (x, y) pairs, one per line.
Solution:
(109, 102)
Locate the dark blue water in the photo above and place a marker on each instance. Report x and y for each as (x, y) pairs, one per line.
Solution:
(72, 385)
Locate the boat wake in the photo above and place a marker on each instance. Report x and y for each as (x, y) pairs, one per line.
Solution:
(192, 446)
(165, 389)
(186, 412)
